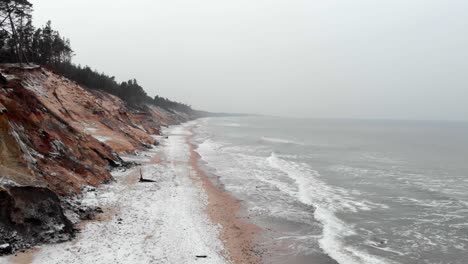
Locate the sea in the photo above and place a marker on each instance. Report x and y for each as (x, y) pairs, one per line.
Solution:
(345, 191)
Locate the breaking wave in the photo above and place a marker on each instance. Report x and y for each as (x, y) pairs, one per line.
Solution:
(306, 187)
(279, 140)
(328, 200)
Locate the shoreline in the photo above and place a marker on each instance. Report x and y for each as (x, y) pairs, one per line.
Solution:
(237, 235)
(180, 180)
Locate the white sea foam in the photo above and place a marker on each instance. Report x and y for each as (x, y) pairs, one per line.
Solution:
(234, 162)
(279, 140)
(328, 200)
(313, 190)
(230, 124)
(419, 208)
(208, 147)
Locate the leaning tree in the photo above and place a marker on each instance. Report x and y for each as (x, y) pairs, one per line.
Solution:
(13, 15)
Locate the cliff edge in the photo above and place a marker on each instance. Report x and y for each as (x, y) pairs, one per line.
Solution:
(56, 139)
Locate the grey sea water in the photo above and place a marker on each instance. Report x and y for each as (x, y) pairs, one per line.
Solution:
(346, 191)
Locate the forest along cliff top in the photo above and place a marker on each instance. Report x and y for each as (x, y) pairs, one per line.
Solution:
(62, 128)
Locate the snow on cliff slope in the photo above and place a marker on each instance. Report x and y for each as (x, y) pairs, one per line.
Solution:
(96, 113)
(39, 148)
(58, 134)
(57, 138)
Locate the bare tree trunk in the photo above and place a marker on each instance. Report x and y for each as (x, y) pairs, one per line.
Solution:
(1, 23)
(21, 42)
(15, 38)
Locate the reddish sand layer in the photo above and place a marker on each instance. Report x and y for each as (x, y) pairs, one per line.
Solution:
(237, 235)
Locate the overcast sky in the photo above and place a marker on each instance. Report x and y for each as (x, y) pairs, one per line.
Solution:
(313, 58)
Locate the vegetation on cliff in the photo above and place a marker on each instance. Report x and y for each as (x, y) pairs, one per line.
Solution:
(21, 42)
(129, 91)
(62, 128)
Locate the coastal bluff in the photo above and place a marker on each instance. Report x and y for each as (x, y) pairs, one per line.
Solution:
(58, 138)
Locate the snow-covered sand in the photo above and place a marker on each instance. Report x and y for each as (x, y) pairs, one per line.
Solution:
(161, 222)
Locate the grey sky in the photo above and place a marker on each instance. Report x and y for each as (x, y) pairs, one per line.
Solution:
(313, 58)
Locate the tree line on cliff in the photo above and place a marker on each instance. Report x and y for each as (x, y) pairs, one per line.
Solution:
(21, 42)
(130, 91)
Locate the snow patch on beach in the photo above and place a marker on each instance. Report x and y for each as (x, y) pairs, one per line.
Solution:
(160, 222)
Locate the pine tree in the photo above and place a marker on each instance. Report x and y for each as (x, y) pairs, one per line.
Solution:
(13, 16)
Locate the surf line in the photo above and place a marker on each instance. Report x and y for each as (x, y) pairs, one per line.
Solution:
(237, 235)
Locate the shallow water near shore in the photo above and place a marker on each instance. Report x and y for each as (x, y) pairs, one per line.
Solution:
(345, 191)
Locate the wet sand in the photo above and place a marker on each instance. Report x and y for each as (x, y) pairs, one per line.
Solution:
(25, 257)
(237, 235)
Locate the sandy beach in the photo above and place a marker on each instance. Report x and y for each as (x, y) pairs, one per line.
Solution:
(180, 218)
(237, 235)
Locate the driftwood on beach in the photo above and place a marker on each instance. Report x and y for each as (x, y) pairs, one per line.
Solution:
(144, 180)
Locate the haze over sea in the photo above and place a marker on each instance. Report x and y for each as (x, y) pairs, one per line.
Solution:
(346, 191)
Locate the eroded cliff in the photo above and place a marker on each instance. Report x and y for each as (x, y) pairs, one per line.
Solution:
(56, 138)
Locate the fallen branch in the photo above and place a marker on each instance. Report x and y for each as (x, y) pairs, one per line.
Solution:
(144, 180)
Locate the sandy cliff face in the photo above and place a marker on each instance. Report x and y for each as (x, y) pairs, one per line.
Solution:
(60, 135)
(43, 149)
(101, 115)
(57, 137)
